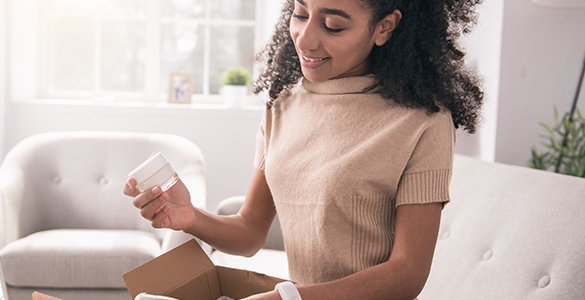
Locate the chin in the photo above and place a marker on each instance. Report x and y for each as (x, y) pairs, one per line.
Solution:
(314, 78)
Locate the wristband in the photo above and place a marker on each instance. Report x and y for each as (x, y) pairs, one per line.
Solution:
(288, 291)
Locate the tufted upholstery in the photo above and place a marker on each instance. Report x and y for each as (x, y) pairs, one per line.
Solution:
(65, 224)
(508, 233)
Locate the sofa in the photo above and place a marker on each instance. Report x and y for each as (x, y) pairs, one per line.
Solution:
(509, 232)
(66, 228)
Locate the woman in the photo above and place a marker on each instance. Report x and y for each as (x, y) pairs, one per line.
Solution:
(357, 157)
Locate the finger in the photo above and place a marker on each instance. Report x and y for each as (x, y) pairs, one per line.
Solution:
(143, 199)
(130, 188)
(161, 219)
(150, 202)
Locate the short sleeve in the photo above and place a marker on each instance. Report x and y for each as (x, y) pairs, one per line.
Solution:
(427, 175)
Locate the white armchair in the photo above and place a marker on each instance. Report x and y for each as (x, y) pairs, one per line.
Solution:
(66, 229)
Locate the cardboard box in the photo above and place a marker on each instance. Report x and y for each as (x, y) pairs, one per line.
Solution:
(187, 273)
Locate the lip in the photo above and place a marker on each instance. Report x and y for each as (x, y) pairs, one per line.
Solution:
(313, 62)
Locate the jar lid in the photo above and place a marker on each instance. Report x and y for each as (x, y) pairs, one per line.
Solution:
(148, 168)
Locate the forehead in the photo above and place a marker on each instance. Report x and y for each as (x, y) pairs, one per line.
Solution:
(345, 5)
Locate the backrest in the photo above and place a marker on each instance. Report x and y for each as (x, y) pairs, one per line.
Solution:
(75, 179)
(510, 233)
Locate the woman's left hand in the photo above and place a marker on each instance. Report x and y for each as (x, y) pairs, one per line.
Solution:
(272, 295)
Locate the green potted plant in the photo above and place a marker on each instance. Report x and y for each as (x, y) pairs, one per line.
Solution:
(235, 89)
(564, 143)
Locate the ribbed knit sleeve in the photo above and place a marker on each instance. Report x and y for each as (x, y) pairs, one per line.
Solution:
(425, 187)
(427, 175)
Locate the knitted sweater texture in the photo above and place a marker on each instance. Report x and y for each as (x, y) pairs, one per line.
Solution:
(338, 160)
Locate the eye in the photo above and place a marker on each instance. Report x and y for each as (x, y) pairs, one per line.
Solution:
(299, 17)
(331, 30)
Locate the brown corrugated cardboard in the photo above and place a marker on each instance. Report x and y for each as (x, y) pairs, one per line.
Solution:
(187, 273)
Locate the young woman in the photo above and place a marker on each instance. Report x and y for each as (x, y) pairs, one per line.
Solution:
(355, 149)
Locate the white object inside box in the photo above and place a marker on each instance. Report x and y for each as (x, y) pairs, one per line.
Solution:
(145, 296)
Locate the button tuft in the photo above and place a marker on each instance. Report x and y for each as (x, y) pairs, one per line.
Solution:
(103, 181)
(488, 254)
(544, 281)
(56, 179)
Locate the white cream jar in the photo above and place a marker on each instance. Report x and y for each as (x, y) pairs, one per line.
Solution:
(156, 170)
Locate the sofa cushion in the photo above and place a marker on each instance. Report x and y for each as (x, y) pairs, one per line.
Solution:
(76, 258)
(509, 232)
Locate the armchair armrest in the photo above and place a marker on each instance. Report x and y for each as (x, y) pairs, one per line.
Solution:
(12, 188)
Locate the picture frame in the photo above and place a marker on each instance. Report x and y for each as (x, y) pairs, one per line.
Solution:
(180, 87)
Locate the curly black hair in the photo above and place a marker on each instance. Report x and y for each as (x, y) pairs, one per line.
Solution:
(421, 66)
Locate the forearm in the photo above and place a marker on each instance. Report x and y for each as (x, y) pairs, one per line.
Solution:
(231, 234)
(395, 279)
(244, 233)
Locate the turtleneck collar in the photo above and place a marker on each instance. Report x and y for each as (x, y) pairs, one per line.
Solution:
(346, 85)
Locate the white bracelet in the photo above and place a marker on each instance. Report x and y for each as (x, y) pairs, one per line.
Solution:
(288, 291)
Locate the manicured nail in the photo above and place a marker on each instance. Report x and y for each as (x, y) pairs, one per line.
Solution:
(155, 189)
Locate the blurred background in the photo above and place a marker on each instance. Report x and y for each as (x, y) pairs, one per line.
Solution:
(105, 65)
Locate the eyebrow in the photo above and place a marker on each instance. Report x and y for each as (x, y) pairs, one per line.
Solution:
(329, 11)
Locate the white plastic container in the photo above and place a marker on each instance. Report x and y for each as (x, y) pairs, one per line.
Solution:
(145, 296)
(154, 171)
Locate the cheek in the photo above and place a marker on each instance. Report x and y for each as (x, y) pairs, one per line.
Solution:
(294, 30)
(352, 50)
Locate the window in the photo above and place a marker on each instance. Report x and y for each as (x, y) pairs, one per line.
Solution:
(126, 49)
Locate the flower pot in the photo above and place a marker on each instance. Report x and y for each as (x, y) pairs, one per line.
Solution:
(234, 95)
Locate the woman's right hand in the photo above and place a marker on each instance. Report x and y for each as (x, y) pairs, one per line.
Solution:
(170, 209)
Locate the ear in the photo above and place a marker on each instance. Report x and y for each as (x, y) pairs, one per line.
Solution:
(385, 27)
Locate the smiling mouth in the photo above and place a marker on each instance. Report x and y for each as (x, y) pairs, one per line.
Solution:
(314, 59)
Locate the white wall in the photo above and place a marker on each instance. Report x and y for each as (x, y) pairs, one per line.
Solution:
(483, 47)
(542, 55)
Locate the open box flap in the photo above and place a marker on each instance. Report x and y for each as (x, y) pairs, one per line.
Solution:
(238, 284)
(169, 271)
(203, 287)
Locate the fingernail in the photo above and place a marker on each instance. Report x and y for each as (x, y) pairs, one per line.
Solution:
(155, 189)
(166, 208)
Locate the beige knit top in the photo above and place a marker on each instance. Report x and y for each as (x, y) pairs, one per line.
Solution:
(338, 160)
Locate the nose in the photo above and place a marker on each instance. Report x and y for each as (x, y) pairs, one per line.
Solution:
(308, 37)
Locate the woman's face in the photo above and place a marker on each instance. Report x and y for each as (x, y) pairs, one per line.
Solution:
(333, 38)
